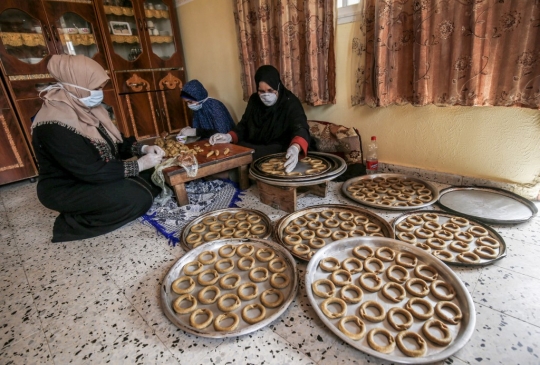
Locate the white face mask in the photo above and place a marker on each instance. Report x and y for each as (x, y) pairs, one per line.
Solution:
(268, 99)
(197, 106)
(95, 98)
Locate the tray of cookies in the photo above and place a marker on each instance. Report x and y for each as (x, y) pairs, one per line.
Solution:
(390, 300)
(225, 223)
(308, 230)
(453, 239)
(230, 287)
(310, 166)
(390, 191)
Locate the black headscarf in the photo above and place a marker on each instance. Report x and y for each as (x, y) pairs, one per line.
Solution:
(276, 124)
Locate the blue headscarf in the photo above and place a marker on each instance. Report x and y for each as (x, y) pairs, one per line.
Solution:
(213, 114)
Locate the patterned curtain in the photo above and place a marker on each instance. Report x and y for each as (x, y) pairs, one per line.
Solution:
(296, 37)
(447, 52)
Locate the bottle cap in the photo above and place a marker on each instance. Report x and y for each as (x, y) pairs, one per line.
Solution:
(373, 138)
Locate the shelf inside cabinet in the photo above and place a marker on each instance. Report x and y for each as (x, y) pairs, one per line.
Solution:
(125, 38)
(22, 39)
(118, 10)
(154, 13)
(161, 39)
(78, 39)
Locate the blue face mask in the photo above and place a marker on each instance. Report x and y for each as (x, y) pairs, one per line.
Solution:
(95, 98)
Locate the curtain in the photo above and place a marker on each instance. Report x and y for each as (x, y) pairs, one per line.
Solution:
(296, 37)
(447, 52)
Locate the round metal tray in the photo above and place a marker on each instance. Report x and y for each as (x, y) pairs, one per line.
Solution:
(443, 218)
(490, 205)
(461, 332)
(301, 167)
(265, 220)
(367, 178)
(279, 231)
(182, 320)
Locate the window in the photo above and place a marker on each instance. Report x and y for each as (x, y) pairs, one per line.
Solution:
(347, 11)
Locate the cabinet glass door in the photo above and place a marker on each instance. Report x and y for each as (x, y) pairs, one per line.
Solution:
(23, 41)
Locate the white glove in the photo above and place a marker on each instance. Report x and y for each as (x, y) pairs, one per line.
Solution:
(152, 149)
(188, 132)
(148, 161)
(292, 158)
(220, 138)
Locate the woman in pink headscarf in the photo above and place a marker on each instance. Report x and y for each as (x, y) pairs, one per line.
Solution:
(81, 153)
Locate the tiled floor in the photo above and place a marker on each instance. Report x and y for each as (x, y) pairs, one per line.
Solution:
(96, 301)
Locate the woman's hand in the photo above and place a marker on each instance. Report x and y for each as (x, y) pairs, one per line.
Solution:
(220, 138)
(292, 157)
(153, 150)
(148, 161)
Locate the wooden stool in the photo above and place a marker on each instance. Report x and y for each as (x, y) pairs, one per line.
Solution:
(284, 197)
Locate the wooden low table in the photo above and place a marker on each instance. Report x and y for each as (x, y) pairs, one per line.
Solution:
(238, 157)
(285, 197)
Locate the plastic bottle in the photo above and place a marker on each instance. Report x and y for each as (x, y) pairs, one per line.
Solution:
(372, 161)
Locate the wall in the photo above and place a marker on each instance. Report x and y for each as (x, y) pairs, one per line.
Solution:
(495, 143)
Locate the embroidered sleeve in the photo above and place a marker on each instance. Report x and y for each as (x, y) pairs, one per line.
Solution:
(131, 168)
(136, 149)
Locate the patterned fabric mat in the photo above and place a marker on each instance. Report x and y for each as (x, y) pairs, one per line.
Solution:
(204, 196)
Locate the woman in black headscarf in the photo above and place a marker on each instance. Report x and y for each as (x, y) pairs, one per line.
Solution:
(274, 121)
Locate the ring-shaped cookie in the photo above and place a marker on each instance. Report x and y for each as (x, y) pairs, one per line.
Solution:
(327, 214)
(415, 220)
(373, 196)
(432, 217)
(460, 221)
(425, 198)
(241, 288)
(399, 326)
(441, 296)
(389, 198)
(323, 232)
(225, 216)
(376, 261)
(211, 236)
(300, 221)
(198, 267)
(405, 226)
(459, 246)
(265, 254)
(307, 234)
(203, 291)
(371, 228)
(340, 302)
(464, 236)
(478, 231)
(356, 252)
(380, 254)
(394, 192)
(393, 180)
(422, 191)
(176, 285)
(423, 316)
(253, 320)
(241, 233)
(293, 229)
(386, 203)
(228, 308)
(417, 281)
(211, 260)
(418, 272)
(401, 255)
(201, 312)
(244, 225)
(443, 255)
(312, 216)
(314, 225)
(347, 225)
(357, 233)
(241, 216)
(354, 261)
(257, 279)
(274, 304)
(376, 234)
(404, 197)
(223, 281)
(316, 242)
(432, 226)
(360, 220)
(407, 237)
(323, 294)
(227, 232)
(345, 216)
(486, 252)
(198, 228)
(335, 277)
(203, 282)
(398, 186)
(339, 235)
(381, 190)
(216, 227)
(224, 316)
(331, 223)
(422, 345)
(223, 251)
(442, 315)
(209, 220)
(423, 233)
(441, 341)
(402, 294)
(359, 195)
(444, 234)
(468, 257)
(226, 261)
(358, 322)
(436, 243)
(184, 310)
(335, 264)
(258, 229)
(301, 249)
(254, 218)
(277, 260)
(354, 288)
(422, 246)
(278, 275)
(452, 227)
(391, 277)
(243, 266)
(488, 241)
(401, 204)
(375, 346)
(231, 223)
(193, 238)
(292, 239)
(370, 275)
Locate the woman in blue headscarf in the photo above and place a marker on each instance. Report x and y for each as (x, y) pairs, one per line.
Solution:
(210, 116)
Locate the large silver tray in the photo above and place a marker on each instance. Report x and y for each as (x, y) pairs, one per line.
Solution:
(431, 187)
(461, 332)
(279, 233)
(490, 205)
(300, 167)
(182, 320)
(443, 218)
(187, 228)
